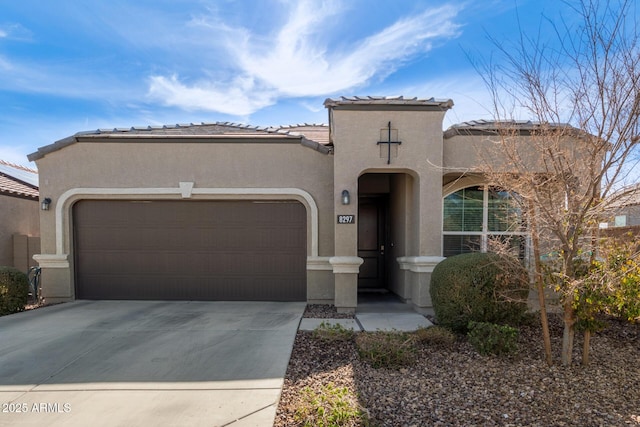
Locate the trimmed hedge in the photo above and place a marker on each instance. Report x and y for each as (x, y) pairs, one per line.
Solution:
(479, 287)
(14, 290)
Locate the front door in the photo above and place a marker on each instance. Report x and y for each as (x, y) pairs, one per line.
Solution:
(372, 216)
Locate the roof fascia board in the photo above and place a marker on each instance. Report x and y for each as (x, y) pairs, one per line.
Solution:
(248, 138)
(527, 130)
(58, 145)
(388, 107)
(315, 146)
(18, 195)
(220, 139)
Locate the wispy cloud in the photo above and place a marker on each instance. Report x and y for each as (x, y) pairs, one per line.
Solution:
(296, 67)
(15, 32)
(239, 97)
(298, 60)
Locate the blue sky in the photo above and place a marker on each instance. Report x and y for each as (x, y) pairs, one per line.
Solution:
(75, 65)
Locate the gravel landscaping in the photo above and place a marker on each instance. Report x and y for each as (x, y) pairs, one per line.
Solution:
(324, 311)
(455, 386)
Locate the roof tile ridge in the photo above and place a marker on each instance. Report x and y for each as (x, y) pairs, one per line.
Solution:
(389, 98)
(17, 166)
(289, 126)
(243, 126)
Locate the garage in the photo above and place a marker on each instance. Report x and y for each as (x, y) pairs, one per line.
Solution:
(190, 250)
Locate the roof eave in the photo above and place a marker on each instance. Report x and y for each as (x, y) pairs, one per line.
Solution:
(96, 136)
(491, 128)
(19, 195)
(58, 145)
(324, 149)
(382, 103)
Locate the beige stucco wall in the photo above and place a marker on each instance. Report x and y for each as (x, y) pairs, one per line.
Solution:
(416, 200)
(19, 216)
(465, 153)
(355, 135)
(135, 167)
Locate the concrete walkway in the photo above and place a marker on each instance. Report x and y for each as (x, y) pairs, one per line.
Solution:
(376, 313)
(139, 363)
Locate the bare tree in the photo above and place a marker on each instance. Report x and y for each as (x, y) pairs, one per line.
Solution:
(582, 95)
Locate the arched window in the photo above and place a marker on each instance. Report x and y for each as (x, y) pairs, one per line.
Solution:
(474, 217)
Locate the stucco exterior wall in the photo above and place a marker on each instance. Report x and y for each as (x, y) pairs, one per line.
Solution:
(184, 164)
(416, 201)
(138, 169)
(468, 153)
(355, 136)
(19, 216)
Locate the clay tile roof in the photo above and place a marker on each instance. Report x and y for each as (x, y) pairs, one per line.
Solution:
(312, 131)
(474, 127)
(203, 128)
(18, 181)
(313, 134)
(442, 104)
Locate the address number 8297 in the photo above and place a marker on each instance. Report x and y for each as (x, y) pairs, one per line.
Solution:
(346, 219)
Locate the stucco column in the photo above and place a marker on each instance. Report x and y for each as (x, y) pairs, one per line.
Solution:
(418, 271)
(345, 270)
(55, 277)
(345, 263)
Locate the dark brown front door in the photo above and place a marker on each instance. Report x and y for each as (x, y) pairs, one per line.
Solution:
(190, 250)
(371, 220)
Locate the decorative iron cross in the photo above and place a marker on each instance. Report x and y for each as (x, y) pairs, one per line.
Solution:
(389, 142)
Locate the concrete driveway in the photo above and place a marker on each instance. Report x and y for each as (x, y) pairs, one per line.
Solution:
(139, 363)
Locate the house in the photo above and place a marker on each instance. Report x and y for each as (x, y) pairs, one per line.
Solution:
(624, 207)
(217, 211)
(623, 214)
(19, 210)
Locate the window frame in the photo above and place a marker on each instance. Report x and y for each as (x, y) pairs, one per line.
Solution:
(485, 233)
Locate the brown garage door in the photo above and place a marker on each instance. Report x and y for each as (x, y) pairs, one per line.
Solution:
(190, 250)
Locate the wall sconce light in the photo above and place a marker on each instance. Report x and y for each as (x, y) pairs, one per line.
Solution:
(346, 197)
(45, 204)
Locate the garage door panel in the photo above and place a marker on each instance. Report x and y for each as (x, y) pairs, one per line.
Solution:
(188, 250)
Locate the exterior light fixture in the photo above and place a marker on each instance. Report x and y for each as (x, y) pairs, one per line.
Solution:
(45, 204)
(346, 197)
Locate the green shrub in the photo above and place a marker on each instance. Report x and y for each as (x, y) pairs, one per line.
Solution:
(328, 332)
(386, 349)
(489, 338)
(14, 290)
(481, 287)
(331, 406)
(436, 336)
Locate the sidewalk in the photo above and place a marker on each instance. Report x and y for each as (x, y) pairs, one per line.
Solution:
(383, 313)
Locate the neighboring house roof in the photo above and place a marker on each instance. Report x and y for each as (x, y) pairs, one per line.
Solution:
(193, 131)
(388, 101)
(18, 181)
(627, 196)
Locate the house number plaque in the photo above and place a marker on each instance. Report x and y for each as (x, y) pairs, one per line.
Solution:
(346, 219)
